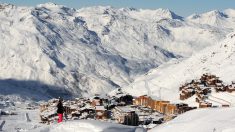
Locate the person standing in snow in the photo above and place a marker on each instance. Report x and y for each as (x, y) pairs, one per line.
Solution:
(60, 110)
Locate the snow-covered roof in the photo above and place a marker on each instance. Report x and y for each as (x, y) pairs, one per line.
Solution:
(125, 109)
(100, 108)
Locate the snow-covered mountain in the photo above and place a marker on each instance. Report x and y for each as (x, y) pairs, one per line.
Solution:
(223, 19)
(164, 81)
(54, 50)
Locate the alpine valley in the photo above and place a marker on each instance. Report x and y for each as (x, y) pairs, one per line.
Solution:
(51, 50)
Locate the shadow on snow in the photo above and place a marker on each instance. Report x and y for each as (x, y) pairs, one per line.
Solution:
(30, 89)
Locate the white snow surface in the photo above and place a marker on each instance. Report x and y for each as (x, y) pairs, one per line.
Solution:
(89, 126)
(52, 50)
(201, 120)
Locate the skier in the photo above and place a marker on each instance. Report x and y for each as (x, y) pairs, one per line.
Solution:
(60, 110)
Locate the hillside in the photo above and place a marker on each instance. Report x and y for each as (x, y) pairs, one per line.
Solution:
(51, 50)
(164, 81)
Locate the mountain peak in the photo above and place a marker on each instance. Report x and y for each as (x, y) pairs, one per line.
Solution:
(50, 5)
(193, 16)
(168, 13)
(209, 15)
(6, 5)
(215, 13)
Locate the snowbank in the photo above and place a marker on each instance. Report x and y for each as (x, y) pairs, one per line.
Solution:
(202, 120)
(89, 126)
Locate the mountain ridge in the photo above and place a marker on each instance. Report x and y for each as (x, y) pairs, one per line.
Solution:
(95, 49)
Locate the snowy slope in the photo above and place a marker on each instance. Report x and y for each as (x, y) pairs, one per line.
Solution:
(89, 126)
(164, 81)
(223, 19)
(201, 120)
(146, 29)
(51, 50)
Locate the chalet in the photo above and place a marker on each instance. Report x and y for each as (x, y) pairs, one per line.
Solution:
(75, 115)
(101, 112)
(160, 106)
(171, 109)
(198, 100)
(225, 105)
(146, 118)
(96, 101)
(144, 100)
(136, 101)
(188, 91)
(196, 82)
(202, 88)
(87, 112)
(202, 96)
(156, 105)
(88, 108)
(230, 88)
(163, 106)
(206, 90)
(150, 103)
(220, 89)
(69, 110)
(219, 85)
(141, 100)
(120, 113)
(181, 108)
(205, 105)
(183, 96)
(131, 119)
(199, 92)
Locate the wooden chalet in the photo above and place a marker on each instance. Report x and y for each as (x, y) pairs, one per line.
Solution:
(124, 115)
(205, 104)
(171, 109)
(230, 88)
(101, 112)
(96, 101)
